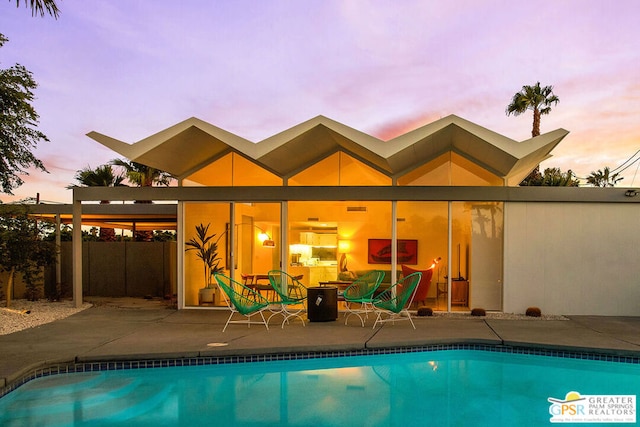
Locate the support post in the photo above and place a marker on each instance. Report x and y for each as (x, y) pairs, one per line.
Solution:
(77, 253)
(58, 256)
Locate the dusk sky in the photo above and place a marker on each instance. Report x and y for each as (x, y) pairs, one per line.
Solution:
(129, 69)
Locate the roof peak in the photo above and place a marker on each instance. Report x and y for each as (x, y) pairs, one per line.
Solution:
(193, 143)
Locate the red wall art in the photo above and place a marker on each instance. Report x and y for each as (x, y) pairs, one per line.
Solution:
(380, 251)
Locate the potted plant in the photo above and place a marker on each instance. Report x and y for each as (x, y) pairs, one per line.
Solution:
(207, 251)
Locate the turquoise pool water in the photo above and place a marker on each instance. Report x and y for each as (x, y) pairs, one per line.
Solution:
(440, 388)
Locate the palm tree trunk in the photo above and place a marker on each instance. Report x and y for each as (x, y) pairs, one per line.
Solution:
(535, 131)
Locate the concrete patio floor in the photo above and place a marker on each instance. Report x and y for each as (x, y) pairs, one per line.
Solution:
(108, 332)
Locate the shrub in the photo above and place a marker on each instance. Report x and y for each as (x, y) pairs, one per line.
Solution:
(425, 311)
(533, 312)
(478, 312)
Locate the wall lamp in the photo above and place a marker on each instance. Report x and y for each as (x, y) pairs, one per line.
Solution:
(344, 246)
(263, 236)
(631, 193)
(267, 241)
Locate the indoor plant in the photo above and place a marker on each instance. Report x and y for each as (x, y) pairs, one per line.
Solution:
(207, 250)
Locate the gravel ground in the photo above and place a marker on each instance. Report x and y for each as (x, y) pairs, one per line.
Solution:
(498, 315)
(25, 314)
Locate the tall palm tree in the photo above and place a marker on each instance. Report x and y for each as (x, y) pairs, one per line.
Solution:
(536, 98)
(41, 6)
(143, 176)
(603, 178)
(102, 176)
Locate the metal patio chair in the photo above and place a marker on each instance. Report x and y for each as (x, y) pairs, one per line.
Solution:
(394, 303)
(290, 296)
(360, 293)
(241, 299)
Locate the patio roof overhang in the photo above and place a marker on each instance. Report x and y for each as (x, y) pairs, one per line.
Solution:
(133, 216)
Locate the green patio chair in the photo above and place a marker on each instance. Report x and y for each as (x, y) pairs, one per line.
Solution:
(359, 295)
(241, 299)
(395, 301)
(290, 296)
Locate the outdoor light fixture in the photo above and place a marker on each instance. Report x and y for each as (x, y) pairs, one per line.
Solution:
(631, 193)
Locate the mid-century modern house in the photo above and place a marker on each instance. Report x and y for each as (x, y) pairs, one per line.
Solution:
(327, 202)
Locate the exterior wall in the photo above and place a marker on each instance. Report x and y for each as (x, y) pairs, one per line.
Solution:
(119, 269)
(107, 269)
(115, 269)
(572, 258)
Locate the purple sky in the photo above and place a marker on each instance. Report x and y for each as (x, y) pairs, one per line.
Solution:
(129, 69)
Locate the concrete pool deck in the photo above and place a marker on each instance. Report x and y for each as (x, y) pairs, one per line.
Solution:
(153, 331)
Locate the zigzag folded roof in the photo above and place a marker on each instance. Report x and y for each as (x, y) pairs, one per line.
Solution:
(192, 144)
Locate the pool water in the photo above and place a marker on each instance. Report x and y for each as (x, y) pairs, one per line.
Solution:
(442, 388)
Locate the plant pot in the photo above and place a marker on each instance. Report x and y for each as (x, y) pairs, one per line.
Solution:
(207, 295)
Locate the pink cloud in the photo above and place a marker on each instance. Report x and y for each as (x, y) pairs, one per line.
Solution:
(400, 127)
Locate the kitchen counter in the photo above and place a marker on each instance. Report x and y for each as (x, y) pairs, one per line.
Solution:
(313, 275)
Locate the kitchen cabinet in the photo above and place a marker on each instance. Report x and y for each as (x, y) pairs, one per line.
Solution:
(318, 239)
(308, 238)
(327, 240)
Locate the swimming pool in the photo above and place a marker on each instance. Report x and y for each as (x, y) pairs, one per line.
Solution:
(443, 387)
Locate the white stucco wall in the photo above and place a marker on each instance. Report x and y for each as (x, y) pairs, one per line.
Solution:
(572, 258)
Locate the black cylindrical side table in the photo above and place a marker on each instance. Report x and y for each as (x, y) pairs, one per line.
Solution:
(322, 303)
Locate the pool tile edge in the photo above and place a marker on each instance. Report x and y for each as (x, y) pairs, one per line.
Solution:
(45, 370)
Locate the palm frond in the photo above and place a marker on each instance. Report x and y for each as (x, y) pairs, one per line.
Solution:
(39, 7)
